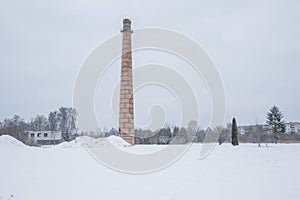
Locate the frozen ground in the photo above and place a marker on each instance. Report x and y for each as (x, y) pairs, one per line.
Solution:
(67, 171)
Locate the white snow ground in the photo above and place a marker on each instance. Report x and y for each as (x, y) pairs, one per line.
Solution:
(67, 171)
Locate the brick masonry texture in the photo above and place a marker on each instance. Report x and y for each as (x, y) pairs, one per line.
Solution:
(126, 114)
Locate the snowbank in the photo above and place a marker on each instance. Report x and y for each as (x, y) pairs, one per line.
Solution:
(11, 141)
(72, 144)
(87, 142)
(83, 141)
(117, 141)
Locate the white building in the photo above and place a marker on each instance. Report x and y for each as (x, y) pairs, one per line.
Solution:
(245, 129)
(292, 127)
(43, 137)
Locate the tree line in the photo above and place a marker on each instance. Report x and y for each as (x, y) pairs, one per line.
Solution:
(272, 132)
(63, 119)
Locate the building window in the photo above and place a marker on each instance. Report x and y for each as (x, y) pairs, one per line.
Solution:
(31, 134)
(45, 134)
(39, 134)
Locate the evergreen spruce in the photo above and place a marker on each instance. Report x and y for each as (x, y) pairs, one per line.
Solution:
(234, 138)
(274, 120)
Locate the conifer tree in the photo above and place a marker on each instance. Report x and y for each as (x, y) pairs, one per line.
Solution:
(234, 138)
(274, 120)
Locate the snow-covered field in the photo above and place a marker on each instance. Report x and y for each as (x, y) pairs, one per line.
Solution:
(67, 171)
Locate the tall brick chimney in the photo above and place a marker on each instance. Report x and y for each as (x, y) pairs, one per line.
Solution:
(126, 116)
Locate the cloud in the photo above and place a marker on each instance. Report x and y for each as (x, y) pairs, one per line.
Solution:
(254, 44)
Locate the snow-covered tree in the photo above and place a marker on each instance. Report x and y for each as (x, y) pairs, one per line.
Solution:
(164, 136)
(192, 126)
(1, 128)
(39, 123)
(13, 127)
(53, 119)
(112, 131)
(67, 122)
(182, 137)
(223, 134)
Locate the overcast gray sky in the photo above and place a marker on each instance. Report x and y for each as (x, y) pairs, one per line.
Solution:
(254, 44)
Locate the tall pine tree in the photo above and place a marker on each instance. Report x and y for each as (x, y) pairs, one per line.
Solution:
(275, 121)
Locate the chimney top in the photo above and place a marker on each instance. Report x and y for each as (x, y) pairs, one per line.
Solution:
(126, 26)
(126, 21)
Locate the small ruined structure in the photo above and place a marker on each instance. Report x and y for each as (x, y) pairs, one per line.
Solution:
(42, 137)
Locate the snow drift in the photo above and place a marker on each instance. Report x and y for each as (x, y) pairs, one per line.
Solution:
(79, 142)
(11, 141)
(104, 142)
(58, 173)
(117, 141)
(85, 141)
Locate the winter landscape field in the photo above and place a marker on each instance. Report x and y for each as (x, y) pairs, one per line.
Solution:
(149, 100)
(67, 171)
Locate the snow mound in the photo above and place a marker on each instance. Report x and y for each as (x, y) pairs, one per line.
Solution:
(88, 142)
(117, 141)
(72, 144)
(105, 142)
(11, 141)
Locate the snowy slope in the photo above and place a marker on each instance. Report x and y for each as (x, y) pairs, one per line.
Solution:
(6, 140)
(82, 142)
(118, 141)
(33, 173)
